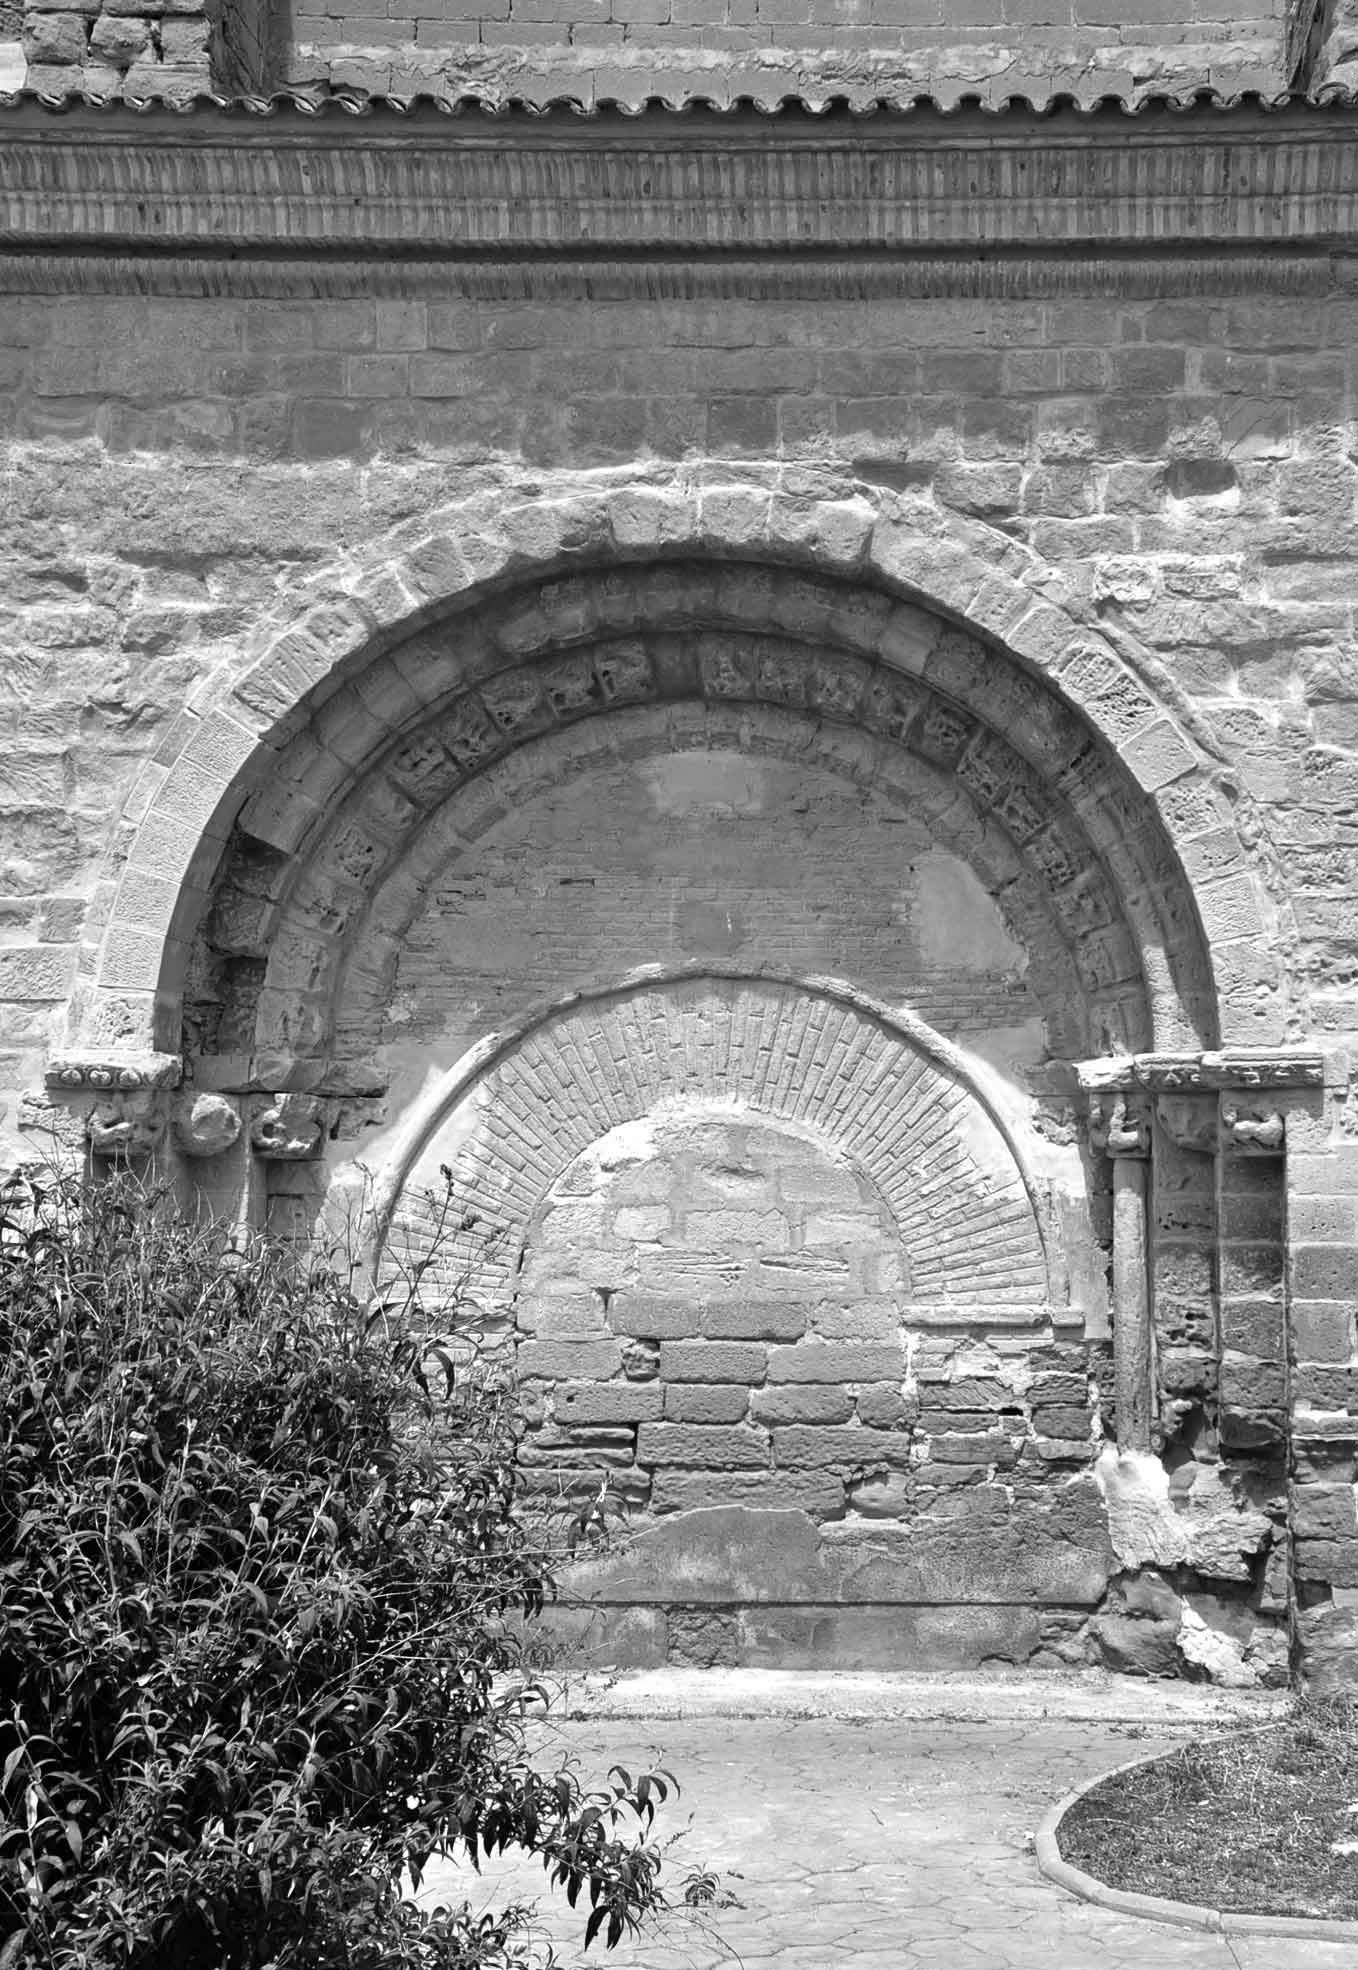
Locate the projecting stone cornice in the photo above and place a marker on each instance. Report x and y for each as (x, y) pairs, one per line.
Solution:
(427, 185)
(1235, 1069)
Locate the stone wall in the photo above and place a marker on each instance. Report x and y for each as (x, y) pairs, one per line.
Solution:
(593, 50)
(122, 48)
(628, 49)
(1181, 466)
(962, 677)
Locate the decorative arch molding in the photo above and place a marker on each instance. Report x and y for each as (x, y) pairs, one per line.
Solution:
(885, 1090)
(956, 819)
(359, 810)
(336, 650)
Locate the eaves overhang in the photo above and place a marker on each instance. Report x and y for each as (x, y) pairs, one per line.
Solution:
(423, 182)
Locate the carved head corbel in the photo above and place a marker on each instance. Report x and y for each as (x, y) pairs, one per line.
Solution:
(127, 1127)
(1190, 1122)
(205, 1124)
(1119, 1125)
(1252, 1134)
(288, 1127)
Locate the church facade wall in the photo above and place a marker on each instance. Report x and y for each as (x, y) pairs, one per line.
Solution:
(821, 793)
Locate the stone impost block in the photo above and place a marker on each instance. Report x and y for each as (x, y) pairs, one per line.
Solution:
(698, 1446)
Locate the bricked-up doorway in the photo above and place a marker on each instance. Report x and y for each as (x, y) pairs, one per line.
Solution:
(744, 1309)
(756, 841)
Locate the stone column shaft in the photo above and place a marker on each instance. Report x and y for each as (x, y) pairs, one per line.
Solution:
(1132, 1361)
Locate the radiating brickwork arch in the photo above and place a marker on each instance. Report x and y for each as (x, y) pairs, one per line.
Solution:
(906, 1117)
(323, 656)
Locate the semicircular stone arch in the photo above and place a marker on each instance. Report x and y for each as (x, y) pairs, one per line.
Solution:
(355, 795)
(340, 676)
(920, 1134)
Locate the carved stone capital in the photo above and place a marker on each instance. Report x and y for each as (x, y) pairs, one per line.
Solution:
(288, 1127)
(1119, 1125)
(205, 1124)
(1190, 1121)
(128, 1126)
(1252, 1131)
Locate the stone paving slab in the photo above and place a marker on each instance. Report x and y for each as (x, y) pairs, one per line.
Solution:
(960, 1695)
(887, 1844)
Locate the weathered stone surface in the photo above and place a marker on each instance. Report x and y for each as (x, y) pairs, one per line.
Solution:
(206, 1124)
(893, 680)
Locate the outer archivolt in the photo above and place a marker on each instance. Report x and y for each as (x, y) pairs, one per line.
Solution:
(1039, 806)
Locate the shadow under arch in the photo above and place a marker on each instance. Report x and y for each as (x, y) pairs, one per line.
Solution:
(883, 1065)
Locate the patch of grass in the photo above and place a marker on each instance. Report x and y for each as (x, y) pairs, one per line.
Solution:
(1257, 1823)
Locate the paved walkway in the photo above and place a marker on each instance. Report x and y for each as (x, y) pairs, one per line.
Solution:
(883, 1839)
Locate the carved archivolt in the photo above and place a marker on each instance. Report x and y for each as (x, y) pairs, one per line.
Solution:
(480, 695)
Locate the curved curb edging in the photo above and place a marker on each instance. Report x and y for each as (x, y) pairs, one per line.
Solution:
(1154, 1908)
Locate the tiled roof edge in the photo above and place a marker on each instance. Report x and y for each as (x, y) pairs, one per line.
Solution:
(342, 102)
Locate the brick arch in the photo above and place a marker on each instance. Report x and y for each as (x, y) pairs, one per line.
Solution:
(888, 1093)
(321, 659)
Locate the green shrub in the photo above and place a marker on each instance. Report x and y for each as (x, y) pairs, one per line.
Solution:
(263, 1574)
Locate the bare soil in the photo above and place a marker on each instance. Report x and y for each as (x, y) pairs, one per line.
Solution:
(1261, 1822)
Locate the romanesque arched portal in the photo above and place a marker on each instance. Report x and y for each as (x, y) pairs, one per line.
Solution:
(722, 820)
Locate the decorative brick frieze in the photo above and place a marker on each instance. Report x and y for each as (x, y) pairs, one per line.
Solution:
(923, 180)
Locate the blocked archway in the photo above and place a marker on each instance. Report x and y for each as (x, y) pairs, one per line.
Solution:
(338, 794)
(329, 860)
